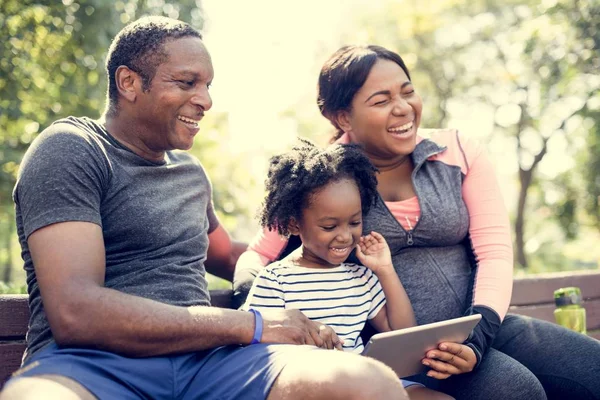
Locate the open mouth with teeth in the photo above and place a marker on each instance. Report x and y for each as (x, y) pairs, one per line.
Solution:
(402, 129)
(192, 123)
(340, 251)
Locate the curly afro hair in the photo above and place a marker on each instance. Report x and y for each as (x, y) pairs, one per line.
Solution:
(295, 176)
(139, 46)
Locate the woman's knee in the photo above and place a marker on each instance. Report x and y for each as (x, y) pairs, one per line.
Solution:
(505, 378)
(498, 377)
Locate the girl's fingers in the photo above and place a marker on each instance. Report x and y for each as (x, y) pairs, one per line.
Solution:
(438, 375)
(450, 358)
(377, 236)
(442, 367)
(360, 250)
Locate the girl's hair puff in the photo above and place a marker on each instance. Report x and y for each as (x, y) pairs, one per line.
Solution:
(296, 175)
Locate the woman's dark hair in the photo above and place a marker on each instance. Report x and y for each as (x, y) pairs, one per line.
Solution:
(344, 73)
(140, 47)
(295, 176)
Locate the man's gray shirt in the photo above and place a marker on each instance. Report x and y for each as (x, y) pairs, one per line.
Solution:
(155, 217)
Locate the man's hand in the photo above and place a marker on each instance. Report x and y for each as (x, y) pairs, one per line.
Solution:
(293, 327)
(330, 338)
(450, 359)
(374, 253)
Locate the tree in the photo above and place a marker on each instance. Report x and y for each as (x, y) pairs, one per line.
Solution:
(533, 66)
(52, 66)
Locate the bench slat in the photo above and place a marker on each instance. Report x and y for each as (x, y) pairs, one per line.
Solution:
(10, 358)
(540, 289)
(546, 312)
(14, 316)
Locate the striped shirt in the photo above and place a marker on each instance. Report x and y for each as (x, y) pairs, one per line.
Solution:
(342, 297)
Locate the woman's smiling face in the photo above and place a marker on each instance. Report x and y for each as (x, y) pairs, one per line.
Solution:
(384, 114)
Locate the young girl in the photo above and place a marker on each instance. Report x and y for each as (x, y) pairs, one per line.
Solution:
(321, 196)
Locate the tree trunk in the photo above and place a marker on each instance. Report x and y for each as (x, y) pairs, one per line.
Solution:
(7, 275)
(525, 177)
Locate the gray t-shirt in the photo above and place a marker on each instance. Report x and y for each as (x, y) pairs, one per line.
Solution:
(155, 217)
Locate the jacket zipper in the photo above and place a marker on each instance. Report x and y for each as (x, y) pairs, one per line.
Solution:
(409, 239)
(409, 236)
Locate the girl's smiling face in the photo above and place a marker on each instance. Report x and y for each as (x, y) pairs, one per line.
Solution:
(331, 224)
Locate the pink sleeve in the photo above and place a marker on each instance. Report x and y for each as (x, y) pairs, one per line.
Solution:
(268, 244)
(489, 230)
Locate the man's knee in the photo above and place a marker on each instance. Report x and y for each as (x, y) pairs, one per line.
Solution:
(336, 375)
(45, 387)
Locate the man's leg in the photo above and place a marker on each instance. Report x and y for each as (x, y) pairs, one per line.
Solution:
(87, 373)
(566, 363)
(45, 387)
(336, 375)
(276, 371)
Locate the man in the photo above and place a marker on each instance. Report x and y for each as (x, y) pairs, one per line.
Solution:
(117, 227)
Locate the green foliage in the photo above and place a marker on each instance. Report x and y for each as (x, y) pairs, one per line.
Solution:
(590, 165)
(534, 67)
(52, 66)
(12, 288)
(215, 283)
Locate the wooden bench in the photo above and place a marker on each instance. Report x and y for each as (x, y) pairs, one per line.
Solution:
(532, 296)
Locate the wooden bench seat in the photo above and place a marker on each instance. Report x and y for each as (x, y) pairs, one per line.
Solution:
(532, 296)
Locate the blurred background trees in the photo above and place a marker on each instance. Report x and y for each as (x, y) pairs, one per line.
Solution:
(520, 75)
(523, 77)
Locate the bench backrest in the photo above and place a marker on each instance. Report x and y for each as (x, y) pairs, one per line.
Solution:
(532, 296)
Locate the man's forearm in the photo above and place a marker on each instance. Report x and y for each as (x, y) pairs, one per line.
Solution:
(226, 270)
(138, 327)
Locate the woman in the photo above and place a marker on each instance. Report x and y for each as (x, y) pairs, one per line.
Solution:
(441, 212)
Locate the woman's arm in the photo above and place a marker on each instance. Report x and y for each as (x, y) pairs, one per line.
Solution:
(491, 242)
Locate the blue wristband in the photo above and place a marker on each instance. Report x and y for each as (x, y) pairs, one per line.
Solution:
(258, 326)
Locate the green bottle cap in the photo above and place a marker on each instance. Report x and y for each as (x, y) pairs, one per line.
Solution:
(567, 296)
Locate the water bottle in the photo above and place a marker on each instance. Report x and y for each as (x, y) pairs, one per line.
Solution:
(569, 311)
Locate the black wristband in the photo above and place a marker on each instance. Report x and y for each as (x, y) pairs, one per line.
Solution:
(483, 335)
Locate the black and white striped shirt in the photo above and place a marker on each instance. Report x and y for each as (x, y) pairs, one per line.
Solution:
(342, 297)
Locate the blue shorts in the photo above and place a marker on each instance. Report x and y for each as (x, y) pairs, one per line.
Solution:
(229, 372)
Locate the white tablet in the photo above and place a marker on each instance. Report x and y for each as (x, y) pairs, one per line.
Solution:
(404, 349)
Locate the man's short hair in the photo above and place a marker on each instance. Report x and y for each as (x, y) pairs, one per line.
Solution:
(140, 47)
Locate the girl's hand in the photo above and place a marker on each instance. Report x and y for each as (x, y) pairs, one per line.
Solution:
(450, 359)
(374, 253)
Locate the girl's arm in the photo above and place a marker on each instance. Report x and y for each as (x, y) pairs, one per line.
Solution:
(397, 313)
